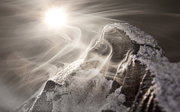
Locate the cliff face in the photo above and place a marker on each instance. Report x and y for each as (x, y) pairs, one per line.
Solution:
(125, 71)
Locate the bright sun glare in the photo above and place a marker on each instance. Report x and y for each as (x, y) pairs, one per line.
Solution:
(56, 17)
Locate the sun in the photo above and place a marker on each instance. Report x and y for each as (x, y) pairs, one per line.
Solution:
(56, 17)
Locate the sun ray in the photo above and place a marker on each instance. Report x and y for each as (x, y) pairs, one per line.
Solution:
(56, 17)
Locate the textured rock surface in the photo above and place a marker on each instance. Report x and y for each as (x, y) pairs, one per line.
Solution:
(125, 71)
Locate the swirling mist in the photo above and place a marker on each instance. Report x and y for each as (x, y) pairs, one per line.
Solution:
(31, 52)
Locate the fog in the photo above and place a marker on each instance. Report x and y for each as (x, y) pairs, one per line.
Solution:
(31, 52)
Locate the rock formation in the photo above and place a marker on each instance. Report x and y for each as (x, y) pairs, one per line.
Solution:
(124, 71)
